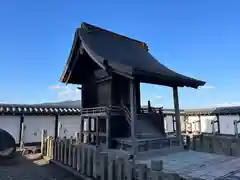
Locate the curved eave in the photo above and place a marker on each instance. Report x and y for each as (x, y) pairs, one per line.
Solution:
(98, 43)
(66, 67)
(171, 81)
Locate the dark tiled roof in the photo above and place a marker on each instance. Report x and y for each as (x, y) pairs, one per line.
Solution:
(41, 109)
(214, 111)
(69, 109)
(122, 55)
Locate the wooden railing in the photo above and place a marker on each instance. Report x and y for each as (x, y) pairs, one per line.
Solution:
(153, 109)
(90, 162)
(150, 144)
(126, 113)
(101, 110)
(95, 110)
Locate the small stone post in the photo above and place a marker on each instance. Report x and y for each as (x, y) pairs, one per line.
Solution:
(156, 169)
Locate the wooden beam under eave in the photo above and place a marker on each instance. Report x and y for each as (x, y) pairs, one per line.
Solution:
(72, 66)
(62, 78)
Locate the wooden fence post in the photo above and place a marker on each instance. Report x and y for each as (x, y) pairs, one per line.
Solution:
(90, 161)
(120, 168)
(55, 153)
(62, 150)
(43, 142)
(59, 149)
(70, 151)
(128, 170)
(65, 147)
(46, 146)
(112, 169)
(77, 137)
(96, 163)
(79, 151)
(104, 166)
(51, 147)
(74, 157)
(84, 159)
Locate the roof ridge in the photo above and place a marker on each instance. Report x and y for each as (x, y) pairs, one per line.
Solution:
(93, 28)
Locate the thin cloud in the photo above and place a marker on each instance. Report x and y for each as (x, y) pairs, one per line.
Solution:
(227, 104)
(54, 87)
(158, 97)
(207, 87)
(64, 93)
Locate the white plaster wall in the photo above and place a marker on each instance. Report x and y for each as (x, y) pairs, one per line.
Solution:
(11, 124)
(206, 123)
(34, 126)
(69, 125)
(226, 124)
(168, 123)
(194, 121)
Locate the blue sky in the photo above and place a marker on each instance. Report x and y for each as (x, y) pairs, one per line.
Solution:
(196, 38)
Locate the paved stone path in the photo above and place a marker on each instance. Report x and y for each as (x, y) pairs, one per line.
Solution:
(200, 165)
(31, 168)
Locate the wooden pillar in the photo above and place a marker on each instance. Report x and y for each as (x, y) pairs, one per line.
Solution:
(107, 130)
(59, 129)
(56, 127)
(82, 97)
(149, 107)
(89, 131)
(20, 131)
(22, 136)
(200, 126)
(218, 124)
(81, 130)
(138, 96)
(174, 123)
(133, 116)
(97, 131)
(177, 114)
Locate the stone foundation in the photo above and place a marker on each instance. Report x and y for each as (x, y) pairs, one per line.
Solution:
(219, 144)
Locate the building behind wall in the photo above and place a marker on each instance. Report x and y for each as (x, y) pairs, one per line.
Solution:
(25, 122)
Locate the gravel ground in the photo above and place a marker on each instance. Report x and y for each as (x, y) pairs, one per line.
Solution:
(31, 167)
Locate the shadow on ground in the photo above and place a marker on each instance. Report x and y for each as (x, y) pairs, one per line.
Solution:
(31, 167)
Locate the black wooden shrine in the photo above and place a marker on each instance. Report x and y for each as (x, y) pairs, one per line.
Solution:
(107, 65)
